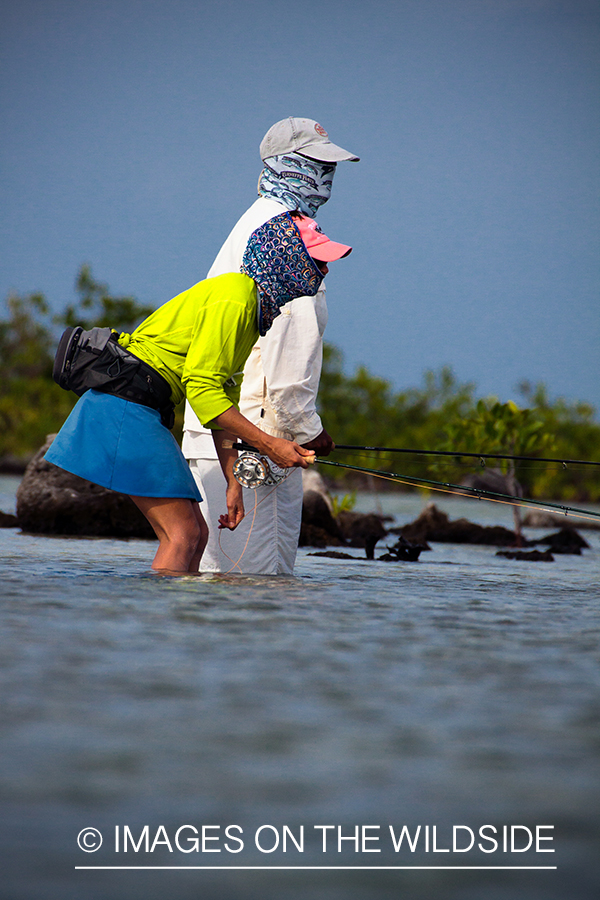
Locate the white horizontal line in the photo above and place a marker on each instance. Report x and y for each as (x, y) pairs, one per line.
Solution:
(320, 868)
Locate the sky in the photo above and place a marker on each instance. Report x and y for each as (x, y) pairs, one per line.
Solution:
(130, 134)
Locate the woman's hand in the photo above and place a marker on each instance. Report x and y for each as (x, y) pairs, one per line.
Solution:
(286, 453)
(235, 506)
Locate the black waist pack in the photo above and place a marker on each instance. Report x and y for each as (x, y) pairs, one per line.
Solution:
(94, 360)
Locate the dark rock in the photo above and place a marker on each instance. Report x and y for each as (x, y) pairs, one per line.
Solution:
(565, 541)
(530, 555)
(7, 520)
(319, 528)
(52, 501)
(370, 542)
(434, 525)
(334, 554)
(13, 465)
(492, 480)
(312, 536)
(403, 551)
(361, 530)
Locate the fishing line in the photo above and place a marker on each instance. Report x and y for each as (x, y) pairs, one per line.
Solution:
(460, 490)
(257, 502)
(236, 565)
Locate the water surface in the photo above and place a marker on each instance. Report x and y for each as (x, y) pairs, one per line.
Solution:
(459, 690)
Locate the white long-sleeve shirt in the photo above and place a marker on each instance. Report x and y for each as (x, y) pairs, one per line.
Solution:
(281, 376)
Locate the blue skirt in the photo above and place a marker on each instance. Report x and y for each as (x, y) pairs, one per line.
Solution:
(122, 446)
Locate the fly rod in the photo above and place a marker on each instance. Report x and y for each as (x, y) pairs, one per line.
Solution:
(458, 453)
(463, 490)
(443, 486)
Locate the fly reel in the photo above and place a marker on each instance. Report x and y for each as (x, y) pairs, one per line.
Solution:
(252, 471)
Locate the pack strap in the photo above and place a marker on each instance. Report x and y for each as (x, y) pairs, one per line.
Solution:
(147, 387)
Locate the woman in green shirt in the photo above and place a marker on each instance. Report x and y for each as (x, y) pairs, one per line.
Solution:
(198, 344)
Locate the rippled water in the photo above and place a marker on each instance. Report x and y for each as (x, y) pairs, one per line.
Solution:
(460, 690)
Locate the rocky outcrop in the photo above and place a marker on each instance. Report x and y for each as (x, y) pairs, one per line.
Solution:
(333, 554)
(52, 501)
(403, 551)
(7, 520)
(314, 481)
(492, 480)
(527, 555)
(13, 465)
(319, 528)
(361, 530)
(565, 541)
(434, 525)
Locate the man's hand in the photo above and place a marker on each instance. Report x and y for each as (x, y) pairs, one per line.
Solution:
(322, 444)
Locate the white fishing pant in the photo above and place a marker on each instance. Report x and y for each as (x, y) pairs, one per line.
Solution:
(266, 541)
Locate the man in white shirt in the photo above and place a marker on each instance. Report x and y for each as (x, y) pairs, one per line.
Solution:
(281, 377)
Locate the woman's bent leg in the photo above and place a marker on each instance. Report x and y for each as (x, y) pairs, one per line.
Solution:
(180, 529)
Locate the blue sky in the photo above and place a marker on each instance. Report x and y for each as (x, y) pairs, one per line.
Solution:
(130, 141)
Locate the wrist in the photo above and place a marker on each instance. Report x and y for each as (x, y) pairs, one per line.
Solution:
(267, 444)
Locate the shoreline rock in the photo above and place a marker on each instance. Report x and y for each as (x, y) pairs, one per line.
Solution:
(435, 525)
(527, 555)
(404, 551)
(318, 528)
(54, 502)
(321, 529)
(361, 530)
(8, 520)
(565, 541)
(14, 465)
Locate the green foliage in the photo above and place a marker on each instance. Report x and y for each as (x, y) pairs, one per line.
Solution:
(495, 427)
(576, 435)
(25, 341)
(444, 414)
(363, 409)
(31, 404)
(504, 428)
(343, 504)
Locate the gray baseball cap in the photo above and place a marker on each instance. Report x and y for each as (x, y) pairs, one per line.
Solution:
(303, 136)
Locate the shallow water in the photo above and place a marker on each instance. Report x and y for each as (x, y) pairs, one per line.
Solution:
(459, 690)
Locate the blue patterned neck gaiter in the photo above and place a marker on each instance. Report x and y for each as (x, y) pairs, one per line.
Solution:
(299, 182)
(281, 266)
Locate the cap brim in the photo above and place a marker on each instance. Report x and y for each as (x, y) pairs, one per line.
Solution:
(330, 251)
(325, 151)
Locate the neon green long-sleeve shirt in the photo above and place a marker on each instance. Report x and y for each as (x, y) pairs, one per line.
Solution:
(200, 340)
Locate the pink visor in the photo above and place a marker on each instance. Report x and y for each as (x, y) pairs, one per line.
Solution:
(318, 244)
